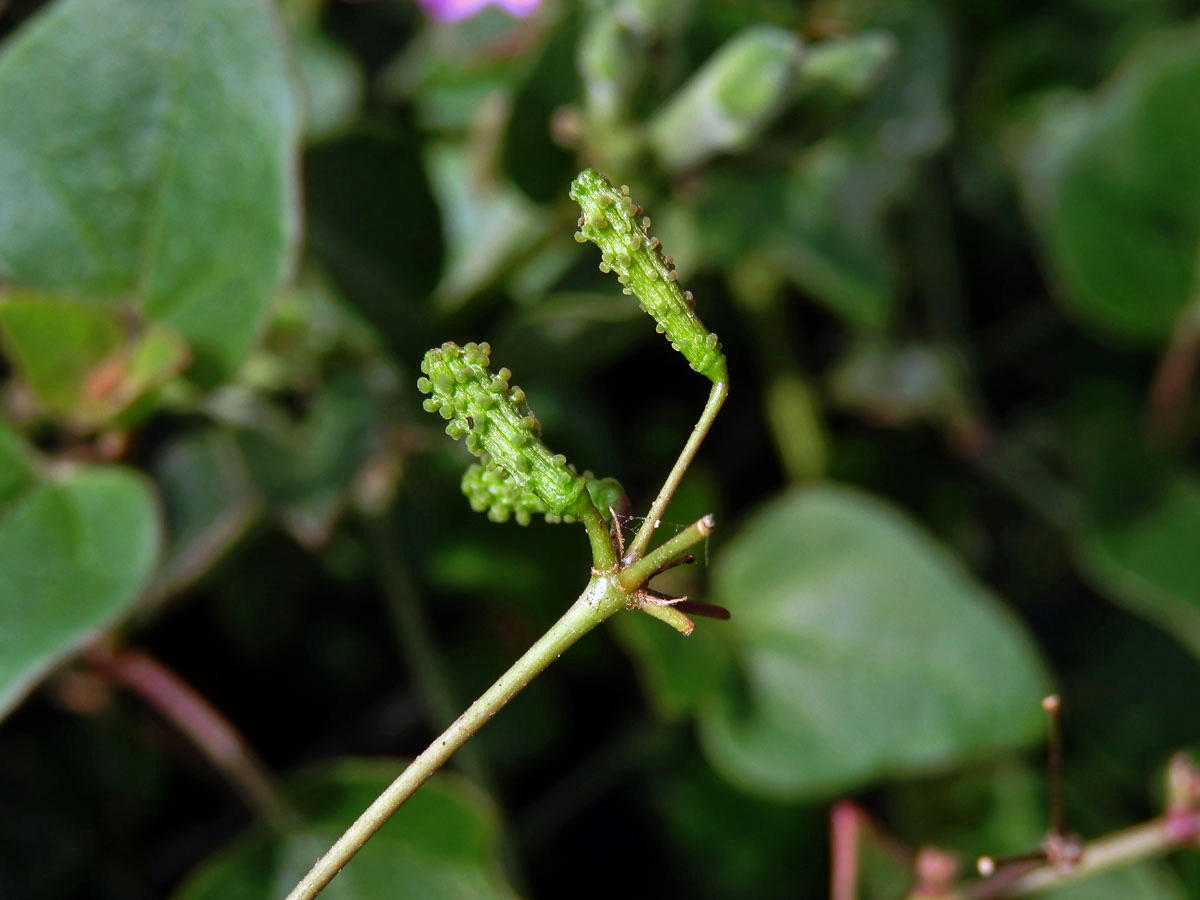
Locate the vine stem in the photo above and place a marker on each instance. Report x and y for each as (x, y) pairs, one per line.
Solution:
(208, 730)
(599, 600)
(1140, 842)
(1170, 390)
(716, 398)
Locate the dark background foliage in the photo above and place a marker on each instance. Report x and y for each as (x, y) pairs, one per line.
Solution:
(951, 251)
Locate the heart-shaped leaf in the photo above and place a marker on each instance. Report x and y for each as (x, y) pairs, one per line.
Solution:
(865, 651)
(1112, 185)
(156, 165)
(75, 552)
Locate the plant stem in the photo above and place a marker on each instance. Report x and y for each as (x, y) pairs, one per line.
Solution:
(211, 733)
(1170, 391)
(603, 556)
(634, 576)
(716, 398)
(1140, 842)
(600, 599)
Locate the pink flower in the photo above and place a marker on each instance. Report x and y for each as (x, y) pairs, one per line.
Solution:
(457, 10)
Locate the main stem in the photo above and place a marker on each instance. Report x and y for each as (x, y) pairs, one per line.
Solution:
(599, 600)
(716, 398)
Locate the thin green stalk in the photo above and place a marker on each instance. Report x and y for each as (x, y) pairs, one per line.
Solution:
(634, 576)
(600, 599)
(604, 558)
(716, 398)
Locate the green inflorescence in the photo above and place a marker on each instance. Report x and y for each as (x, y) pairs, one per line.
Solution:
(518, 476)
(493, 491)
(615, 224)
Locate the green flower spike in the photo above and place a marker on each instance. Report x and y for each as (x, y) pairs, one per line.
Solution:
(518, 476)
(615, 224)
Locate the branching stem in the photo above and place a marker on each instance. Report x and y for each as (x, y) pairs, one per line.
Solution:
(716, 398)
(599, 600)
(635, 575)
(1140, 842)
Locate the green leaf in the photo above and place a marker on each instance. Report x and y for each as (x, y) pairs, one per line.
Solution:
(866, 651)
(1110, 182)
(730, 100)
(78, 361)
(441, 845)
(16, 466)
(157, 165)
(1144, 558)
(488, 223)
(74, 556)
(57, 345)
(306, 468)
(1147, 881)
(210, 503)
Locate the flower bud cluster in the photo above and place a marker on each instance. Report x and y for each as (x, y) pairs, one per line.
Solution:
(615, 224)
(518, 475)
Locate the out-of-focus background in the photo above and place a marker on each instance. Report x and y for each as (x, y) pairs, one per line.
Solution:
(952, 251)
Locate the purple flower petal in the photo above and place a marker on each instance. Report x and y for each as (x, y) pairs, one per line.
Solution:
(457, 10)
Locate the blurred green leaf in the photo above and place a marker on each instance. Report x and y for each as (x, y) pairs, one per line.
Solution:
(333, 84)
(157, 164)
(77, 359)
(209, 501)
(441, 845)
(677, 675)
(850, 65)
(75, 553)
(866, 651)
(306, 468)
(1146, 881)
(897, 385)
(16, 466)
(488, 223)
(730, 844)
(1111, 183)
(728, 101)
(1145, 558)
(58, 345)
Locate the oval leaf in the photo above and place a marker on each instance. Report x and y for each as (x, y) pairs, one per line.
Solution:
(866, 651)
(1145, 559)
(157, 163)
(441, 845)
(1115, 192)
(74, 555)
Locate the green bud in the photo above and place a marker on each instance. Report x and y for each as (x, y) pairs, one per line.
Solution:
(614, 223)
(493, 491)
(519, 475)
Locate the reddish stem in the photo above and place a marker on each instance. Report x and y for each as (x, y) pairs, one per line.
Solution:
(209, 731)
